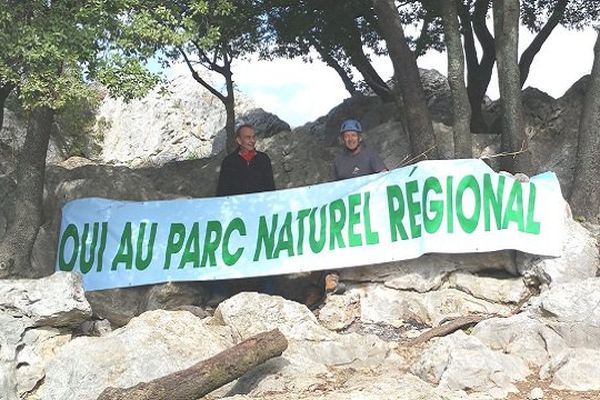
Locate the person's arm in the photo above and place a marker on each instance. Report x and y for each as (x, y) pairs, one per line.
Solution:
(224, 183)
(335, 176)
(269, 180)
(377, 164)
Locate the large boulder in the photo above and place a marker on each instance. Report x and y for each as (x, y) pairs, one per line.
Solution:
(150, 346)
(35, 321)
(578, 261)
(462, 362)
(55, 301)
(177, 121)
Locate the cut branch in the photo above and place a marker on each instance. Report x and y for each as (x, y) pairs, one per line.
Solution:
(208, 375)
(449, 327)
(199, 79)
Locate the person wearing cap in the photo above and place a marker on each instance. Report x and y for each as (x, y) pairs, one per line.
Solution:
(245, 170)
(354, 160)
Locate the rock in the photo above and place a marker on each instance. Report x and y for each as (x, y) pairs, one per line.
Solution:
(383, 305)
(34, 351)
(369, 110)
(251, 313)
(437, 95)
(579, 259)
(95, 328)
(461, 362)
(574, 370)
(507, 290)
(54, 301)
(178, 121)
(522, 336)
(430, 271)
(536, 394)
(309, 343)
(265, 123)
(118, 306)
(340, 311)
(152, 345)
(572, 310)
(298, 159)
(172, 296)
(11, 331)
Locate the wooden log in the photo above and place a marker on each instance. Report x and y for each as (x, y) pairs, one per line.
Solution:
(207, 375)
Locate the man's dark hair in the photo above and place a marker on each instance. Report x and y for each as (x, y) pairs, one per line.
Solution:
(239, 128)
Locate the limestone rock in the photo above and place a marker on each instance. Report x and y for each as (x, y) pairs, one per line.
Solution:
(579, 259)
(118, 306)
(496, 290)
(251, 313)
(309, 343)
(265, 123)
(172, 295)
(574, 370)
(572, 310)
(461, 362)
(11, 331)
(340, 311)
(152, 345)
(312, 351)
(430, 271)
(393, 307)
(180, 120)
(522, 336)
(55, 301)
(35, 350)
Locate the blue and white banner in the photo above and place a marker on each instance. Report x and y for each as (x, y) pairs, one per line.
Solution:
(454, 206)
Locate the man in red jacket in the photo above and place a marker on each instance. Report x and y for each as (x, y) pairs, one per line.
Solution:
(245, 170)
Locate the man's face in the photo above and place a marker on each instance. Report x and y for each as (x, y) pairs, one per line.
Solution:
(351, 140)
(246, 139)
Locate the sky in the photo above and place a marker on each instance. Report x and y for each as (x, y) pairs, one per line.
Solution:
(299, 92)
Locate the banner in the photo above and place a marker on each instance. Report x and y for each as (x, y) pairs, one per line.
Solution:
(454, 206)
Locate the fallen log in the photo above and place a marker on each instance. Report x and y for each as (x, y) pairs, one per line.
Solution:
(208, 375)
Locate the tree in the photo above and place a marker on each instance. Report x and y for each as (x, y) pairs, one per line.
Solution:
(50, 48)
(539, 16)
(514, 141)
(406, 72)
(205, 34)
(585, 197)
(338, 31)
(479, 70)
(461, 109)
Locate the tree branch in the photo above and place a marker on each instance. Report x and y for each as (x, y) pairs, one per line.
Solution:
(199, 79)
(539, 39)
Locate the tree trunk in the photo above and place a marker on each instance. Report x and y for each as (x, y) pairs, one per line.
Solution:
(585, 195)
(230, 142)
(514, 142)
(420, 129)
(229, 102)
(535, 46)
(17, 244)
(361, 62)
(461, 108)
(479, 73)
(332, 62)
(5, 90)
(206, 376)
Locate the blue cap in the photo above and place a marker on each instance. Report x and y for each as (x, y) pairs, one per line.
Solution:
(351, 125)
